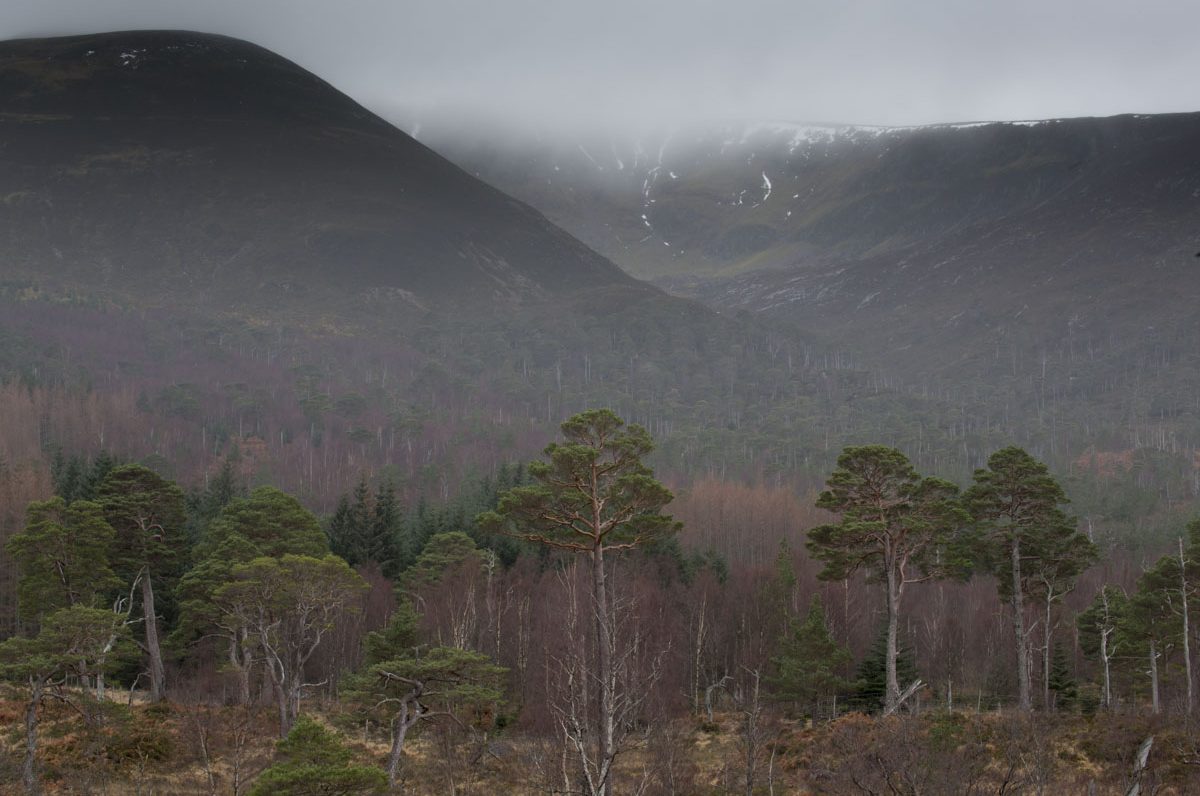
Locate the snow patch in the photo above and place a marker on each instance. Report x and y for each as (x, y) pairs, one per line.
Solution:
(869, 298)
(766, 186)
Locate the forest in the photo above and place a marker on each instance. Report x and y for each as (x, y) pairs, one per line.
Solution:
(573, 624)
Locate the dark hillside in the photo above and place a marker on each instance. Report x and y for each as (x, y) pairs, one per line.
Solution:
(172, 162)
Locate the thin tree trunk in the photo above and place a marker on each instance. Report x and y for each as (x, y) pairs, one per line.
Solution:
(1107, 673)
(158, 676)
(295, 687)
(1104, 656)
(1154, 678)
(751, 729)
(1046, 655)
(1018, 606)
(29, 769)
(697, 650)
(1187, 649)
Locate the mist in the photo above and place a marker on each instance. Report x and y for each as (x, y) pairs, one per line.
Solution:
(626, 64)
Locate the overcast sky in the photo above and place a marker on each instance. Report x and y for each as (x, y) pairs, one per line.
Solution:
(666, 61)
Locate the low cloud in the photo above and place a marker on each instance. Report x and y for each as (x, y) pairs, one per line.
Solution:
(619, 63)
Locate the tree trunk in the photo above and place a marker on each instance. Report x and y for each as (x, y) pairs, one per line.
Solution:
(604, 632)
(158, 677)
(1018, 607)
(285, 724)
(29, 775)
(1187, 649)
(751, 735)
(1104, 656)
(400, 726)
(697, 651)
(1046, 655)
(238, 660)
(281, 698)
(295, 687)
(892, 695)
(1154, 678)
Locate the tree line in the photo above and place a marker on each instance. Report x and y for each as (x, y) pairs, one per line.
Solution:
(559, 601)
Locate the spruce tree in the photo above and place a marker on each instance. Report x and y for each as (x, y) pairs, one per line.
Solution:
(870, 680)
(382, 543)
(1062, 681)
(808, 664)
(340, 530)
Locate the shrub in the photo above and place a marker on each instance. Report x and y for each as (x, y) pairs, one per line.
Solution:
(313, 761)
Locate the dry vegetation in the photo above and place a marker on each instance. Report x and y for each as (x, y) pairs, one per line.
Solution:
(205, 749)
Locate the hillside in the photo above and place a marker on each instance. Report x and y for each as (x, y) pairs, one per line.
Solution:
(1037, 274)
(157, 163)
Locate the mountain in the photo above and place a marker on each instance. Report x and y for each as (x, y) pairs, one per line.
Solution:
(157, 162)
(1014, 265)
